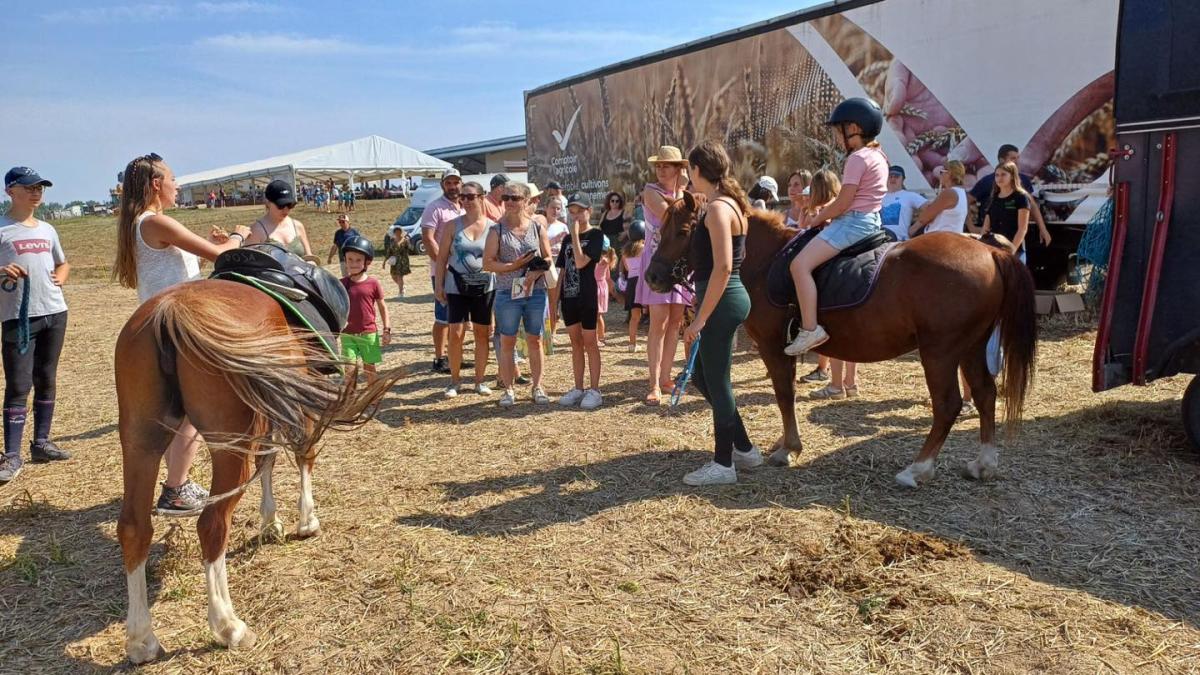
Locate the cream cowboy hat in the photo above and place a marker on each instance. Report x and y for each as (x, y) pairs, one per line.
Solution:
(668, 154)
(533, 190)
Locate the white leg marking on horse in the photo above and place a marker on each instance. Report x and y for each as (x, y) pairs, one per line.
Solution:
(781, 457)
(226, 627)
(984, 466)
(272, 526)
(140, 644)
(916, 473)
(308, 525)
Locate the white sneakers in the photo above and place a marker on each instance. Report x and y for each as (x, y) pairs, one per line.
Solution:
(540, 397)
(508, 399)
(587, 400)
(451, 391)
(806, 340)
(571, 398)
(482, 389)
(715, 474)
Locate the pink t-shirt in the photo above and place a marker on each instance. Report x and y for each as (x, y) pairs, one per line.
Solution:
(868, 169)
(439, 212)
(363, 296)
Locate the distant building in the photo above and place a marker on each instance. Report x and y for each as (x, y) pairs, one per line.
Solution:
(499, 155)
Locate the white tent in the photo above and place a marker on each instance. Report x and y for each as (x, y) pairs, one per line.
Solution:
(373, 158)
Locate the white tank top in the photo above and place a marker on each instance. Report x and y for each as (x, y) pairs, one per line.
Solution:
(953, 218)
(161, 268)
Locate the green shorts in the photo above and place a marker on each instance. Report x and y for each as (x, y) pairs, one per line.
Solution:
(362, 347)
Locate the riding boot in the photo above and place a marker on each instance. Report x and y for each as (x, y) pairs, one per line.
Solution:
(14, 430)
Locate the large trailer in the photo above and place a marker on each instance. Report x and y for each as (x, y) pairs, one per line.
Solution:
(1150, 315)
(957, 79)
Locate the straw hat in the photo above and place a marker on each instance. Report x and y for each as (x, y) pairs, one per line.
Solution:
(668, 154)
(534, 191)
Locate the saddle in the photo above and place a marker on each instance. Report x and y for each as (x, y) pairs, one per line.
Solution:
(843, 282)
(311, 298)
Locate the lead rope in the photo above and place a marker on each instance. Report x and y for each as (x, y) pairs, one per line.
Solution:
(23, 319)
(681, 381)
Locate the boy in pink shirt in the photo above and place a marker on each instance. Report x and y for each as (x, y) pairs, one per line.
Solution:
(852, 217)
(360, 339)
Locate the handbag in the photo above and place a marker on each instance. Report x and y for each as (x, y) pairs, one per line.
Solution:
(471, 284)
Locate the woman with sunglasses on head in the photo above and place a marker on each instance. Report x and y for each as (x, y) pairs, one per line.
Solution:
(518, 252)
(461, 284)
(33, 268)
(665, 309)
(277, 225)
(155, 252)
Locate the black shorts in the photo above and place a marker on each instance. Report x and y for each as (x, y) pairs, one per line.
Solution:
(474, 308)
(631, 293)
(581, 311)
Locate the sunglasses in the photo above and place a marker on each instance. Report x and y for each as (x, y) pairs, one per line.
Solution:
(468, 196)
(614, 200)
(512, 198)
(150, 157)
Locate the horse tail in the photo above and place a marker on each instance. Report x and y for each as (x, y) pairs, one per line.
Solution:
(1018, 336)
(271, 371)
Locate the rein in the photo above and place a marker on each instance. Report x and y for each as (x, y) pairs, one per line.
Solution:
(23, 329)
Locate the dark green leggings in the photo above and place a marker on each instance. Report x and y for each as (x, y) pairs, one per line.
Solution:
(713, 363)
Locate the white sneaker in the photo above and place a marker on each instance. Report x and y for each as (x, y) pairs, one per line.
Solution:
(806, 340)
(748, 460)
(508, 399)
(540, 397)
(451, 391)
(482, 389)
(633, 348)
(571, 397)
(591, 399)
(711, 474)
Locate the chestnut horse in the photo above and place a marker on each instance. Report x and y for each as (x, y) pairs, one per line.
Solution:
(221, 354)
(941, 294)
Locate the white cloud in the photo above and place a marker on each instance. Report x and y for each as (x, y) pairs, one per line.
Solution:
(237, 8)
(142, 12)
(275, 43)
(506, 35)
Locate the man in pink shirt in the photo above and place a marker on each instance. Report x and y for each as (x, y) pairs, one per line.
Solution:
(437, 215)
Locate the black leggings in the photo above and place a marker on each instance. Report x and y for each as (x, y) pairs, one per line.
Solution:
(37, 368)
(712, 370)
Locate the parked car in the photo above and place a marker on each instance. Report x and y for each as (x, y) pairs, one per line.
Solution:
(431, 189)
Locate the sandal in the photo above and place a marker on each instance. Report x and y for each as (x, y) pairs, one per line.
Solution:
(652, 399)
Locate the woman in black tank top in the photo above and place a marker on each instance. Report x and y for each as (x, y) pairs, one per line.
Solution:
(718, 247)
(612, 219)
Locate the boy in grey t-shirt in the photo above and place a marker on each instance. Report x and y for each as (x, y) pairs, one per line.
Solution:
(33, 269)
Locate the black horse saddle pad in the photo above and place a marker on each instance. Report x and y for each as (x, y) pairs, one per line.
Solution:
(845, 281)
(309, 290)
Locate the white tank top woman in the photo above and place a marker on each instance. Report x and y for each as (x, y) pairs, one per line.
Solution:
(953, 218)
(161, 268)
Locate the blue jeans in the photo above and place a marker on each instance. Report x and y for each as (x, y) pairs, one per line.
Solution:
(850, 228)
(511, 313)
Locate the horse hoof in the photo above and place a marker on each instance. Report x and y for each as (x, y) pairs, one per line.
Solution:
(144, 651)
(272, 531)
(977, 470)
(781, 457)
(916, 474)
(235, 635)
(310, 529)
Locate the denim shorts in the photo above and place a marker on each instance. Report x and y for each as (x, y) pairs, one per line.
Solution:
(441, 313)
(850, 228)
(510, 313)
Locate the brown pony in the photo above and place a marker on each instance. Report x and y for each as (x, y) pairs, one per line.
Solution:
(940, 294)
(223, 355)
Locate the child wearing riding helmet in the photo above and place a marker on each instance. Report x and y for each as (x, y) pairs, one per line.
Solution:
(360, 339)
(852, 216)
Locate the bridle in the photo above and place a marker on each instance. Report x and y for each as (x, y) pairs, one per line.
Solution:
(681, 268)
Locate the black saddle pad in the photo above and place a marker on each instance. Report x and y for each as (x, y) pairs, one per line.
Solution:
(845, 281)
(275, 265)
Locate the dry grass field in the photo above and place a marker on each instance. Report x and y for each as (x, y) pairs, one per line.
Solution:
(457, 537)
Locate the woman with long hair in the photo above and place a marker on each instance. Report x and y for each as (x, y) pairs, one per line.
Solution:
(612, 217)
(276, 224)
(1008, 208)
(717, 249)
(665, 309)
(798, 189)
(461, 284)
(853, 215)
(155, 252)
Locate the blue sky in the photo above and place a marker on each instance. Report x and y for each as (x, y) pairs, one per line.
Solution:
(92, 84)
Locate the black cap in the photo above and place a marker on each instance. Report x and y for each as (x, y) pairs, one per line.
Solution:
(23, 175)
(499, 180)
(280, 193)
(578, 199)
(896, 169)
(553, 185)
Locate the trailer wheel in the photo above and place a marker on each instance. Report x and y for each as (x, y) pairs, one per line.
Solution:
(1191, 412)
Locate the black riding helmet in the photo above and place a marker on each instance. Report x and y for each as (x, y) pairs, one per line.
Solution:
(361, 245)
(637, 230)
(862, 111)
